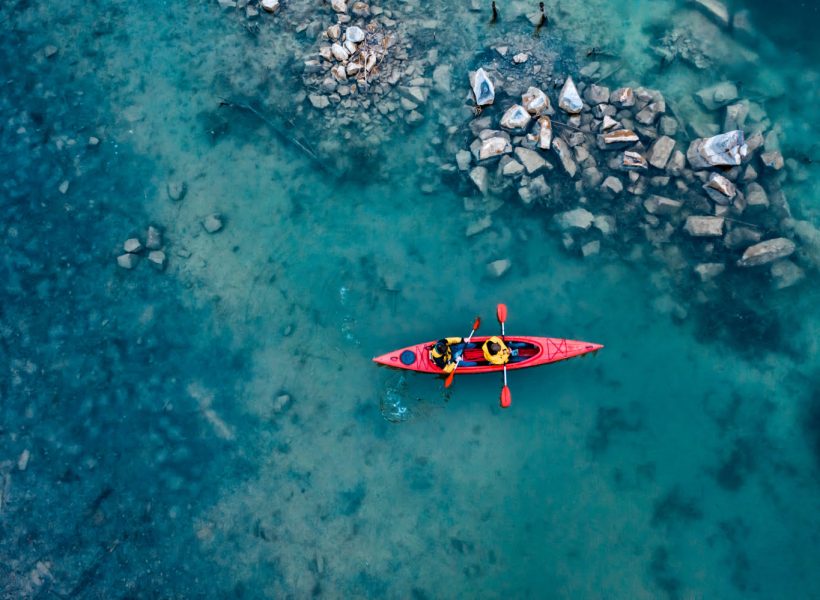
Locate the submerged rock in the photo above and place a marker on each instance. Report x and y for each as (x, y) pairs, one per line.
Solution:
(720, 189)
(483, 89)
(463, 158)
(516, 117)
(512, 168)
(772, 160)
(740, 237)
(786, 274)
(766, 252)
(536, 102)
(212, 223)
(176, 190)
(578, 218)
(132, 245)
(612, 185)
(565, 156)
(718, 95)
(270, 6)
(153, 238)
(715, 10)
(660, 152)
(726, 149)
(661, 205)
(128, 260)
(479, 177)
(531, 160)
(698, 226)
(707, 271)
(497, 268)
(596, 94)
(569, 99)
(157, 259)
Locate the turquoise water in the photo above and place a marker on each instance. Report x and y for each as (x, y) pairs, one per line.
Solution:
(146, 449)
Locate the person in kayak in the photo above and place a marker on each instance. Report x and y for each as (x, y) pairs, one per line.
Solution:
(496, 351)
(442, 353)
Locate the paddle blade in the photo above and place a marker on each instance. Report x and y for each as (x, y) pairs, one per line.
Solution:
(449, 381)
(506, 397)
(502, 313)
(476, 323)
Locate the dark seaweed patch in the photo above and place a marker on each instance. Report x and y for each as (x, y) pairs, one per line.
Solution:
(662, 574)
(675, 507)
(610, 420)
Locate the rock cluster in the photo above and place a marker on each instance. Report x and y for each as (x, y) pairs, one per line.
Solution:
(363, 69)
(152, 250)
(613, 157)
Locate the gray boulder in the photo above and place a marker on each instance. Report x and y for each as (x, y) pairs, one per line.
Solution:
(718, 95)
(560, 148)
(726, 149)
(516, 117)
(698, 226)
(536, 102)
(577, 218)
(483, 89)
(531, 160)
(659, 152)
(766, 252)
(569, 99)
(660, 205)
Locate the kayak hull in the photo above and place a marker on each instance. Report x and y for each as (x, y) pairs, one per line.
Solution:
(532, 352)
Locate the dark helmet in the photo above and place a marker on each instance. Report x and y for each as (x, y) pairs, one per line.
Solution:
(441, 346)
(494, 348)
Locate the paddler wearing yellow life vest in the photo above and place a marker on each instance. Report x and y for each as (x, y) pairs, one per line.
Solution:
(496, 351)
(442, 355)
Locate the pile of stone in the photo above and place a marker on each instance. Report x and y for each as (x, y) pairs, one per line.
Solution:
(252, 8)
(152, 250)
(363, 70)
(613, 157)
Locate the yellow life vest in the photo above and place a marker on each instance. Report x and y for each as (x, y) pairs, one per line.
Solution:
(444, 360)
(502, 357)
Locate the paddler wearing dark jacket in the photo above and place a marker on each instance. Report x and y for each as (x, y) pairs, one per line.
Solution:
(442, 354)
(496, 351)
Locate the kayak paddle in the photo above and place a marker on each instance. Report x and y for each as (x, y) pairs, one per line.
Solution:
(449, 379)
(506, 396)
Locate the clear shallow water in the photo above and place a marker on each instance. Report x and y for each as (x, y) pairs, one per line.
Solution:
(682, 460)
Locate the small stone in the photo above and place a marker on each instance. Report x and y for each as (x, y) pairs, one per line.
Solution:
(280, 403)
(620, 136)
(479, 177)
(360, 9)
(339, 72)
(648, 115)
(22, 460)
(482, 87)
(319, 101)
(176, 190)
(413, 117)
(660, 205)
(750, 174)
(633, 160)
(516, 117)
(212, 223)
(756, 196)
(132, 245)
(766, 252)
(49, 51)
(577, 218)
(569, 99)
(591, 248)
(606, 224)
(339, 52)
(63, 187)
(668, 126)
(623, 97)
(612, 185)
(520, 58)
(544, 133)
(596, 94)
(536, 102)
(463, 159)
(530, 159)
(512, 168)
(698, 226)
(707, 271)
(659, 152)
(718, 95)
(565, 156)
(270, 6)
(772, 160)
(334, 32)
(720, 189)
(354, 34)
(128, 260)
(93, 141)
(442, 78)
(479, 225)
(608, 123)
(339, 6)
(786, 274)
(157, 259)
(497, 268)
(494, 146)
(740, 237)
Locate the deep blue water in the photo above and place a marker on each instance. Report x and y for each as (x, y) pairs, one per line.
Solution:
(146, 449)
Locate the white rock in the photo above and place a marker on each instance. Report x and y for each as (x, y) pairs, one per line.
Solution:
(660, 205)
(698, 226)
(606, 224)
(536, 102)
(766, 252)
(660, 151)
(128, 260)
(544, 133)
(157, 259)
(720, 189)
(773, 160)
(569, 99)
(531, 160)
(608, 123)
(516, 117)
(512, 168)
(463, 158)
(354, 34)
(442, 78)
(270, 6)
(726, 149)
(756, 196)
(479, 177)
(414, 117)
(339, 52)
(520, 58)
(22, 460)
(707, 271)
(577, 218)
(479, 225)
(715, 10)
(153, 239)
(339, 6)
(63, 188)
(339, 72)
(718, 95)
(612, 184)
(319, 101)
(633, 160)
(494, 146)
(350, 47)
(497, 268)
(483, 89)
(212, 223)
(132, 245)
(334, 32)
(176, 190)
(620, 136)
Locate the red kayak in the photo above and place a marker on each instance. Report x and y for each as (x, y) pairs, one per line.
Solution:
(531, 352)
